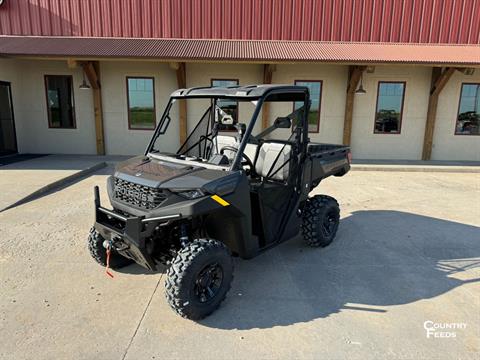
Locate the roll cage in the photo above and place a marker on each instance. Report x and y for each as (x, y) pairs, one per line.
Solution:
(258, 94)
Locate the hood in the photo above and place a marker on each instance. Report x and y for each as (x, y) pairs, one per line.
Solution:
(157, 173)
(151, 172)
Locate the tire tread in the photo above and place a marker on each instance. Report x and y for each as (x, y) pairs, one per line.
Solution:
(312, 213)
(179, 268)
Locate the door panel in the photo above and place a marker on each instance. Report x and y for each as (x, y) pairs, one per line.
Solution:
(270, 209)
(8, 140)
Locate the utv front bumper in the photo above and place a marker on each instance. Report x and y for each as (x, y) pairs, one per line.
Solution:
(127, 234)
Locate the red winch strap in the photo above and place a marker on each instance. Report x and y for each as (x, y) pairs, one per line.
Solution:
(107, 269)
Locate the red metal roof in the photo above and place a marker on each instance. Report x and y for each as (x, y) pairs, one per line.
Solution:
(239, 50)
(405, 21)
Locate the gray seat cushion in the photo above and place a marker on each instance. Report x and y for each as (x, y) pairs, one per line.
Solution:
(221, 141)
(251, 151)
(267, 155)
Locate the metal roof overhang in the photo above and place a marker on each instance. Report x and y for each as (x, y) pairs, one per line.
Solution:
(261, 51)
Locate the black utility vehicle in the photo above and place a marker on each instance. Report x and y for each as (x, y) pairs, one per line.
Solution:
(221, 193)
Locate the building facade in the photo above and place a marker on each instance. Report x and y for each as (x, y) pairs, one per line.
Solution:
(418, 62)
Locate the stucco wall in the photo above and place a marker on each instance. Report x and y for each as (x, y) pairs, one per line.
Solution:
(119, 139)
(408, 143)
(34, 136)
(332, 106)
(447, 145)
(201, 75)
(31, 120)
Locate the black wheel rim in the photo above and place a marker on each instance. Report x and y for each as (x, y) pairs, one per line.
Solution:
(208, 282)
(330, 223)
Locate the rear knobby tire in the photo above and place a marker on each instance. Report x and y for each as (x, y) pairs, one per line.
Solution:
(199, 278)
(320, 219)
(99, 253)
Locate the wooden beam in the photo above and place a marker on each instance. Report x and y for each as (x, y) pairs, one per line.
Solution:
(442, 80)
(439, 80)
(92, 76)
(72, 63)
(174, 65)
(354, 75)
(92, 71)
(180, 69)
(268, 70)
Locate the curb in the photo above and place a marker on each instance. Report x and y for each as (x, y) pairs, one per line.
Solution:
(56, 184)
(418, 168)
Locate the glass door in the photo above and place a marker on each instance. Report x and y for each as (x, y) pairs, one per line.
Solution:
(8, 140)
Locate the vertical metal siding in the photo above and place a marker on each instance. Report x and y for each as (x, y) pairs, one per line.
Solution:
(15, 20)
(415, 21)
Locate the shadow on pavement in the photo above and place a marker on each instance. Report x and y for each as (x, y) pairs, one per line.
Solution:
(58, 186)
(379, 259)
(12, 159)
(135, 269)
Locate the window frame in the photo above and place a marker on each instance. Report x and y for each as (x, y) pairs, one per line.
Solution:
(128, 102)
(317, 131)
(49, 116)
(455, 133)
(375, 132)
(238, 104)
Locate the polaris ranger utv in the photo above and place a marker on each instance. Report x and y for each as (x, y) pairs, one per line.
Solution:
(227, 190)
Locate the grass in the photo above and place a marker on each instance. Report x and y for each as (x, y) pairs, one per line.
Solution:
(141, 118)
(312, 120)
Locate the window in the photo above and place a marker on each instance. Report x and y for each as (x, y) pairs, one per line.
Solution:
(60, 108)
(315, 88)
(388, 114)
(468, 119)
(228, 106)
(141, 103)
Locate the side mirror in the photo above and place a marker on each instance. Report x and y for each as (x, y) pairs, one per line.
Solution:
(282, 123)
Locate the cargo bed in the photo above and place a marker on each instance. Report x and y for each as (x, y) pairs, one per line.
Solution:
(324, 160)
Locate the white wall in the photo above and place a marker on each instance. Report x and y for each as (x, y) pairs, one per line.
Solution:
(447, 145)
(406, 145)
(119, 139)
(34, 136)
(333, 97)
(199, 74)
(30, 107)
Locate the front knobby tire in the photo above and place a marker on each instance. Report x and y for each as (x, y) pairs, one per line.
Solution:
(199, 278)
(99, 253)
(320, 219)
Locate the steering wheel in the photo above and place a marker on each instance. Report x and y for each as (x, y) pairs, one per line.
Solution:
(246, 161)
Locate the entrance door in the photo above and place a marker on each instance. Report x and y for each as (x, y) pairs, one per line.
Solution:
(8, 140)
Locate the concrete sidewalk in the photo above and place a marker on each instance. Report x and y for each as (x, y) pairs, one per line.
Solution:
(24, 180)
(417, 166)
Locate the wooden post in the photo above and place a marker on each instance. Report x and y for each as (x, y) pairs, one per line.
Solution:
(92, 71)
(71, 63)
(180, 69)
(439, 80)
(354, 75)
(268, 70)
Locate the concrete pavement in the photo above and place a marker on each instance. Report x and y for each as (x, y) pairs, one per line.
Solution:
(25, 180)
(407, 252)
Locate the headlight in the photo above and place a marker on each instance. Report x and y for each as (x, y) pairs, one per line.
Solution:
(191, 194)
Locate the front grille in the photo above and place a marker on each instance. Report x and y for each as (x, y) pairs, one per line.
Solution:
(140, 196)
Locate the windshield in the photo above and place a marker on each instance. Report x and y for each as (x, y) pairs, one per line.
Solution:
(216, 128)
